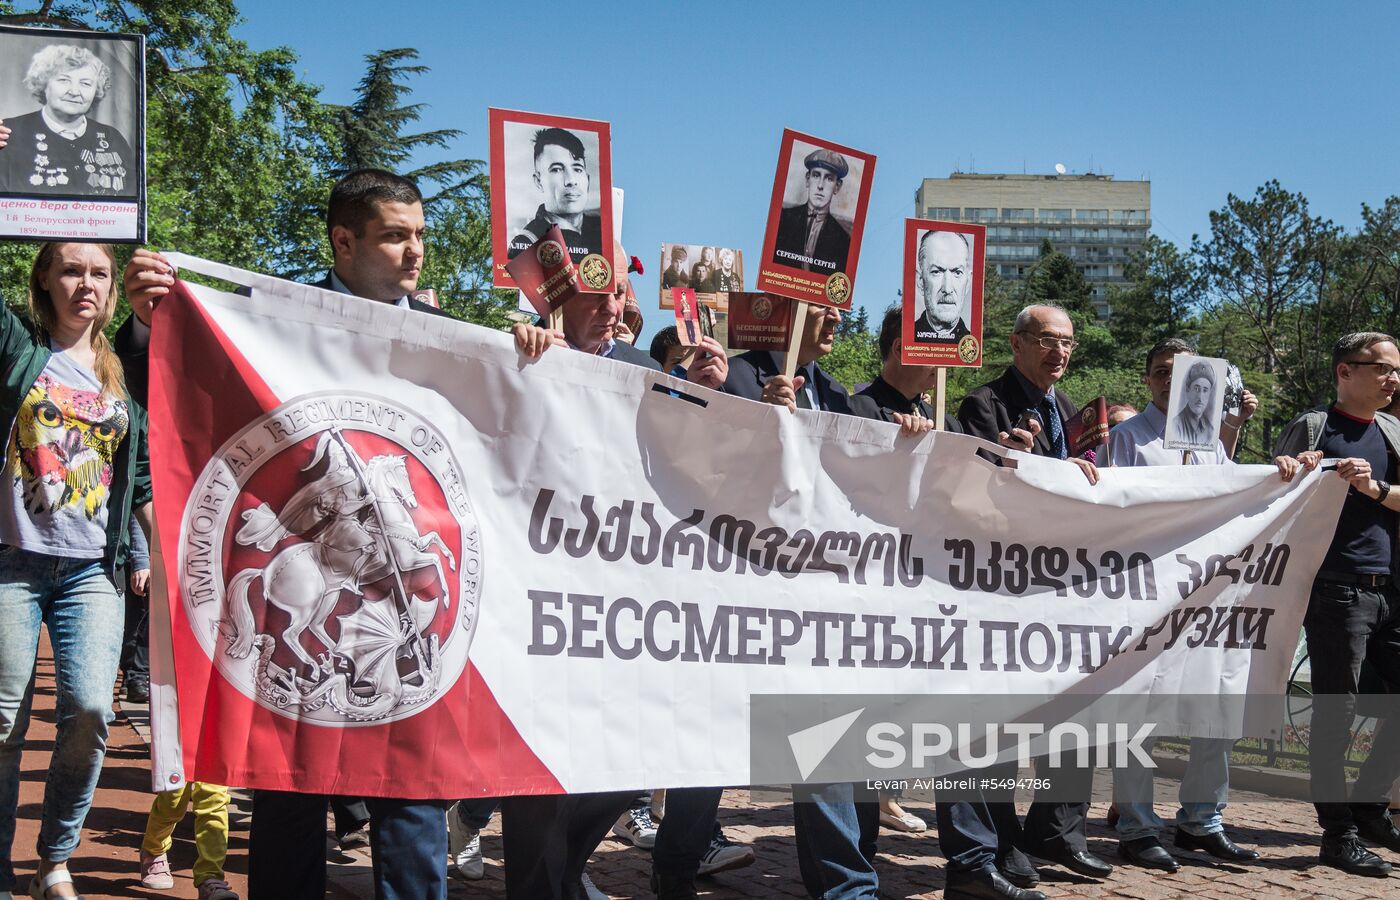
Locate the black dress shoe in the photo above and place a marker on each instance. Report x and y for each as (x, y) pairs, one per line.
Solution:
(669, 887)
(1147, 852)
(1080, 862)
(1381, 832)
(1217, 844)
(1015, 868)
(1347, 854)
(989, 885)
(138, 691)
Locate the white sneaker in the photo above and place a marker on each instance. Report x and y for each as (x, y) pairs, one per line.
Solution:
(636, 826)
(590, 890)
(464, 847)
(155, 872)
(724, 855)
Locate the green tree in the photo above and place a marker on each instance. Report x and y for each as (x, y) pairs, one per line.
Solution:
(237, 143)
(1159, 301)
(855, 354)
(1056, 279)
(371, 134)
(1261, 269)
(370, 130)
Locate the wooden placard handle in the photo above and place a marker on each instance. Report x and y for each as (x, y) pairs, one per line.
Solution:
(799, 325)
(940, 398)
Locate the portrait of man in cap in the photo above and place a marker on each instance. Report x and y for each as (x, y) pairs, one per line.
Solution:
(943, 282)
(677, 274)
(562, 177)
(810, 236)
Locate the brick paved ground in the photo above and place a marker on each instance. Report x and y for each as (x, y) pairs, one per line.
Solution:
(910, 866)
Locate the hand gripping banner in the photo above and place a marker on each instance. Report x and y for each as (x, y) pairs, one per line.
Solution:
(402, 560)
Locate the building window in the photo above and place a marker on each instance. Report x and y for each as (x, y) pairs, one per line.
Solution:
(944, 212)
(980, 213)
(1088, 234)
(1054, 215)
(1018, 213)
(1138, 216)
(1091, 215)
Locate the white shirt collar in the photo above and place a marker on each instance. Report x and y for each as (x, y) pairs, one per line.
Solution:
(71, 133)
(339, 287)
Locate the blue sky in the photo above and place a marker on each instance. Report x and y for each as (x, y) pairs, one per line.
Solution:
(1204, 99)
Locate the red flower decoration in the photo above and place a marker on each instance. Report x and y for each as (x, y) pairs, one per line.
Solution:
(635, 265)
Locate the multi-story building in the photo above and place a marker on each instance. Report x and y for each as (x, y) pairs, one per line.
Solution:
(1093, 219)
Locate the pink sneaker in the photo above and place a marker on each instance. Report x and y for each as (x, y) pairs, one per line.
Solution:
(216, 889)
(155, 872)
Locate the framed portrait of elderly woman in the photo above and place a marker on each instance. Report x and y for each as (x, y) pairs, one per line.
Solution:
(74, 167)
(1196, 404)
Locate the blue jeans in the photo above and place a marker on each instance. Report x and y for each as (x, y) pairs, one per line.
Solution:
(287, 847)
(836, 836)
(84, 615)
(1204, 789)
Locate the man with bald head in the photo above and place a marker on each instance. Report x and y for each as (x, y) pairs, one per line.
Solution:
(944, 284)
(1042, 341)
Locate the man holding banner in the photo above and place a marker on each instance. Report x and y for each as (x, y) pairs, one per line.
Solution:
(1206, 784)
(375, 223)
(1042, 340)
(1353, 617)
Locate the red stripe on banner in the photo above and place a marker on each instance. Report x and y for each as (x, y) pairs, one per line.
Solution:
(203, 391)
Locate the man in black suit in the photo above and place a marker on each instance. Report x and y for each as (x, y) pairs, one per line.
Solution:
(757, 374)
(1042, 341)
(977, 853)
(897, 393)
(809, 236)
(375, 223)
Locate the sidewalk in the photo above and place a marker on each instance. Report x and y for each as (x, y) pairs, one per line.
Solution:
(910, 866)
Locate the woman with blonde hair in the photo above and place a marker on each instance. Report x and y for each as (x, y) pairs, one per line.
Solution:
(75, 469)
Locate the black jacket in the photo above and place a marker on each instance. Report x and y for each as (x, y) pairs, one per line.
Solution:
(995, 406)
(748, 372)
(833, 242)
(881, 401)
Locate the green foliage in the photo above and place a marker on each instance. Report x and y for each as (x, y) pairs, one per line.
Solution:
(855, 354)
(241, 152)
(457, 252)
(1056, 279)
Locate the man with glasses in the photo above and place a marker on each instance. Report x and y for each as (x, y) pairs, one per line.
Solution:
(1042, 340)
(1353, 616)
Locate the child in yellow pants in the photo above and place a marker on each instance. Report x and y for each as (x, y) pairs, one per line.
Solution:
(210, 803)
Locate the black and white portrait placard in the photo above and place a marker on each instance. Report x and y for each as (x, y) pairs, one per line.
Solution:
(546, 171)
(74, 168)
(1197, 403)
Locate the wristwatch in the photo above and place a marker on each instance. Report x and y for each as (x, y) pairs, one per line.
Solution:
(1384, 488)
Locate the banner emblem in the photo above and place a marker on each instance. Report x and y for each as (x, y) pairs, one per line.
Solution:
(330, 561)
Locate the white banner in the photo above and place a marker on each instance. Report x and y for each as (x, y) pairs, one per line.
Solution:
(613, 561)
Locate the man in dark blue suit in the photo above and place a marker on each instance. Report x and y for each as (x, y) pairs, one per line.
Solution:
(375, 222)
(758, 374)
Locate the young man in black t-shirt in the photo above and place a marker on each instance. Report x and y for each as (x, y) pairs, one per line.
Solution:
(1354, 613)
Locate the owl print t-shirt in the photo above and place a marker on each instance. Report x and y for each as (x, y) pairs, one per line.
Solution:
(58, 463)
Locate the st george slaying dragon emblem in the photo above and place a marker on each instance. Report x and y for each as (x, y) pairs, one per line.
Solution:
(330, 561)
